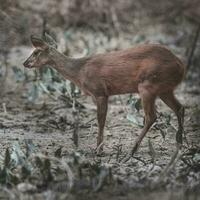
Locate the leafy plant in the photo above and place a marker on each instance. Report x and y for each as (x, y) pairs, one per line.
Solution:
(136, 105)
(7, 177)
(24, 164)
(19, 75)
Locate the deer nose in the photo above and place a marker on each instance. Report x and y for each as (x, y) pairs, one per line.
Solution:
(26, 64)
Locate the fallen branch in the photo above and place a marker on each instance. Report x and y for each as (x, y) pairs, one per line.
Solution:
(194, 44)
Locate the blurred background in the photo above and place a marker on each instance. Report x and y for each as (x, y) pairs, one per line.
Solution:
(41, 112)
(86, 27)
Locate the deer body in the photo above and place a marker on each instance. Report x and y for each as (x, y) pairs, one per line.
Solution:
(150, 70)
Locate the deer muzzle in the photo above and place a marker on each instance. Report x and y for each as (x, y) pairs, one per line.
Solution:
(27, 64)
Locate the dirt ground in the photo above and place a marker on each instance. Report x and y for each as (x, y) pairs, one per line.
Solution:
(50, 124)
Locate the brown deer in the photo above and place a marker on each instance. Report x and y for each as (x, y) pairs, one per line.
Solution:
(150, 70)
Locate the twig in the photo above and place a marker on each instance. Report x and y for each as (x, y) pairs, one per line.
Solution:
(76, 127)
(90, 120)
(152, 153)
(68, 99)
(4, 108)
(2, 86)
(175, 157)
(124, 107)
(194, 44)
(117, 151)
(99, 149)
(46, 91)
(115, 20)
(135, 157)
(102, 179)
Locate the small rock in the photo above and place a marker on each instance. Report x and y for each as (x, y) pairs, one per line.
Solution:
(26, 187)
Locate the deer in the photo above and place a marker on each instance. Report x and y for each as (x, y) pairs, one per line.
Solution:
(150, 70)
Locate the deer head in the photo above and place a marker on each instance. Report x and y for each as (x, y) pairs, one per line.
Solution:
(40, 56)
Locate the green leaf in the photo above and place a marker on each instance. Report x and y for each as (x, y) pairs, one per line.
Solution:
(17, 155)
(30, 147)
(7, 159)
(38, 162)
(152, 151)
(19, 75)
(7, 177)
(58, 152)
(135, 103)
(135, 120)
(33, 93)
(47, 171)
(197, 158)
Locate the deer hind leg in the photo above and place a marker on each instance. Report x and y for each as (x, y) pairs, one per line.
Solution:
(170, 100)
(102, 104)
(148, 102)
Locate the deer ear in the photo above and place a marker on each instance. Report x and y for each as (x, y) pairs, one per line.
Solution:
(49, 40)
(39, 43)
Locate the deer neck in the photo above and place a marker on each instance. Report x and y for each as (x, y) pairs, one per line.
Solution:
(69, 67)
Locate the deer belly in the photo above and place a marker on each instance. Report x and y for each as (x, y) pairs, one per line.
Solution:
(122, 87)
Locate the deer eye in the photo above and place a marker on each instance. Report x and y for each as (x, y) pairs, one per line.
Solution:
(36, 53)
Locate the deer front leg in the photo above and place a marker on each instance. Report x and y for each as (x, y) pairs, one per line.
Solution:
(148, 102)
(102, 105)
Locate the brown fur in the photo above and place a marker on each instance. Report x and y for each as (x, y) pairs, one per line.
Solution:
(150, 70)
(120, 72)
